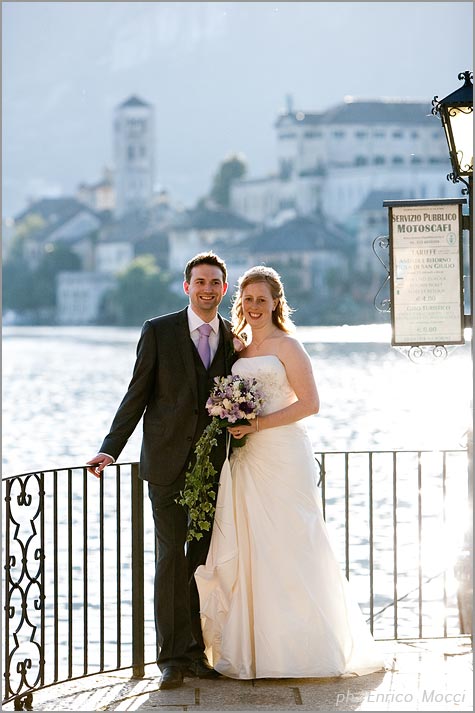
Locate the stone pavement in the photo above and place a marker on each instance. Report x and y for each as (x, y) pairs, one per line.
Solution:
(427, 675)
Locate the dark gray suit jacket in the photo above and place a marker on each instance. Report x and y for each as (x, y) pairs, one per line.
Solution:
(164, 390)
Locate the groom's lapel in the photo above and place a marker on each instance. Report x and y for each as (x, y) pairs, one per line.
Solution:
(229, 355)
(185, 349)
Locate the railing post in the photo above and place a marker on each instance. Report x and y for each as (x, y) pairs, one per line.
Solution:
(138, 623)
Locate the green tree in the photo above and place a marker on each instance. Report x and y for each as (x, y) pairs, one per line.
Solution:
(56, 258)
(26, 289)
(143, 290)
(31, 224)
(229, 170)
(17, 285)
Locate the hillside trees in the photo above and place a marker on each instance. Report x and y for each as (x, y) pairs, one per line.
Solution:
(143, 290)
(229, 170)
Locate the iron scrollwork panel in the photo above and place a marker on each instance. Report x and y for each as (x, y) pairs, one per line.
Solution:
(24, 583)
(382, 300)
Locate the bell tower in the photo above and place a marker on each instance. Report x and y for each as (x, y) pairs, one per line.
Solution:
(134, 152)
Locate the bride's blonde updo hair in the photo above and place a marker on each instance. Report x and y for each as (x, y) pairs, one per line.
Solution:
(282, 312)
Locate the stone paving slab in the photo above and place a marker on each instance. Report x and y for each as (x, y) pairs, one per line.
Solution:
(433, 675)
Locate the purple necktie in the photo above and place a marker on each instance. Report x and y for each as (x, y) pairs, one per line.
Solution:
(203, 344)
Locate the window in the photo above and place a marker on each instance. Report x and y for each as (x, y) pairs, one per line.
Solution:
(338, 134)
(312, 134)
(378, 160)
(136, 125)
(361, 160)
(398, 159)
(397, 134)
(416, 159)
(361, 134)
(287, 136)
(286, 203)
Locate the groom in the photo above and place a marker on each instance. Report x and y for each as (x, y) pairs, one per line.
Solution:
(178, 356)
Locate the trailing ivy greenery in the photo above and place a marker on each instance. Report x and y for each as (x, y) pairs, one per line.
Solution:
(198, 495)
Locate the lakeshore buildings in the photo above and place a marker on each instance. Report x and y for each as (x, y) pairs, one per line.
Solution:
(318, 209)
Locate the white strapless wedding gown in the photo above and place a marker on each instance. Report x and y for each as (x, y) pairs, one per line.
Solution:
(274, 602)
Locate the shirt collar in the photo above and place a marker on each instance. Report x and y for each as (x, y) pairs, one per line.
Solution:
(194, 321)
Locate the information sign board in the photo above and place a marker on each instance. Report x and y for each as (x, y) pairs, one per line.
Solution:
(426, 274)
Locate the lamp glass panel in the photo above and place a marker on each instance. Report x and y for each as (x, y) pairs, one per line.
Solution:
(461, 122)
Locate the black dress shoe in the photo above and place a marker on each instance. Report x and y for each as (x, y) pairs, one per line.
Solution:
(172, 677)
(201, 669)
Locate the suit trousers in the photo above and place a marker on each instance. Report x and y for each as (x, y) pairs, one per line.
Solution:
(176, 599)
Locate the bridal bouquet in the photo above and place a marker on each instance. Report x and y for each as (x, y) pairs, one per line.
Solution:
(233, 400)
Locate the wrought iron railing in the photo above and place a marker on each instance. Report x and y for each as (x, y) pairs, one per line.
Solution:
(79, 559)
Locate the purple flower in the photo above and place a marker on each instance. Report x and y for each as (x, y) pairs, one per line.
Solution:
(234, 398)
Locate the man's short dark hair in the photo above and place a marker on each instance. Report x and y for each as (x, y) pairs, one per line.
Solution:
(208, 258)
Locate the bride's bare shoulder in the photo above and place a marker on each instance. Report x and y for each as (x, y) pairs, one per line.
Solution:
(290, 341)
(290, 347)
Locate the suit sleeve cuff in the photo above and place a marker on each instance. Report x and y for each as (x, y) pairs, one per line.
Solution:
(101, 453)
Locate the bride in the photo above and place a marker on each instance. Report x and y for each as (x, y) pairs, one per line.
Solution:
(273, 601)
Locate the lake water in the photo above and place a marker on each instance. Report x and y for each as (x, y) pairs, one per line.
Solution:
(62, 386)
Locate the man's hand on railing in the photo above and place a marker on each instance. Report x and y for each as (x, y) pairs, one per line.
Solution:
(98, 463)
